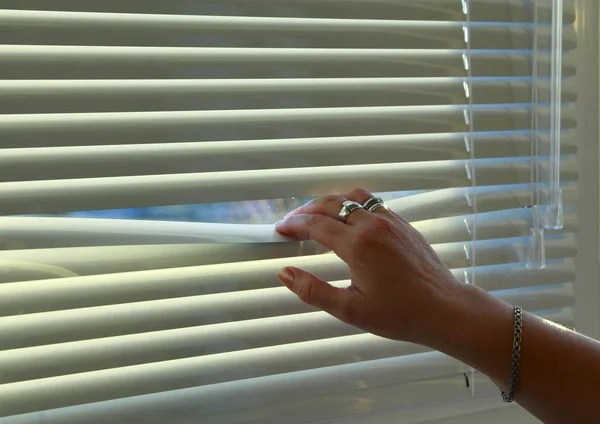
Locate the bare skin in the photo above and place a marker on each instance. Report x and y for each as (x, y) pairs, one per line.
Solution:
(402, 291)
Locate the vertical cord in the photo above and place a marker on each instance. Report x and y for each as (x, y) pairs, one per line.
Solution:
(535, 172)
(554, 217)
(471, 168)
(536, 251)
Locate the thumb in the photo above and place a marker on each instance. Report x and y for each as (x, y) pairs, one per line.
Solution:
(314, 291)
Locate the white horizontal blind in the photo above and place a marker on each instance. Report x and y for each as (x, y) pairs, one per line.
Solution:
(111, 105)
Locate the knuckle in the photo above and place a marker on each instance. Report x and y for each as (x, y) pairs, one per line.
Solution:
(362, 241)
(381, 224)
(356, 249)
(331, 198)
(315, 220)
(306, 293)
(347, 312)
(360, 193)
(323, 204)
(366, 235)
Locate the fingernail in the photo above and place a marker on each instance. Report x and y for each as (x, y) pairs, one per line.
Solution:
(288, 215)
(286, 276)
(278, 223)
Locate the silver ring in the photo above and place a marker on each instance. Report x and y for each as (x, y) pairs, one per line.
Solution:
(374, 203)
(348, 207)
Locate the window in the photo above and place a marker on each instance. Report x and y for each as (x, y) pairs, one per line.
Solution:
(148, 146)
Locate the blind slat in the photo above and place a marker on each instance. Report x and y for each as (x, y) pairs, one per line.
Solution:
(23, 265)
(122, 192)
(71, 232)
(482, 10)
(77, 28)
(40, 130)
(136, 54)
(493, 225)
(118, 62)
(85, 96)
(514, 276)
(147, 159)
(457, 201)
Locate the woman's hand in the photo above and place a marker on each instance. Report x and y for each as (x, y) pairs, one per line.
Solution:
(400, 288)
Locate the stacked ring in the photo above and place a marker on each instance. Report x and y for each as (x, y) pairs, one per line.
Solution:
(373, 204)
(347, 208)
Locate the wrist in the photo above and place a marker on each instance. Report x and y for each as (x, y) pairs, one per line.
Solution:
(477, 329)
(446, 309)
(473, 327)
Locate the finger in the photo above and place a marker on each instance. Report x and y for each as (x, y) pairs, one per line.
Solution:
(363, 196)
(316, 292)
(324, 230)
(330, 206)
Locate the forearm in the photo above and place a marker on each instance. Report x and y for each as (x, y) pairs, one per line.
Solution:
(559, 369)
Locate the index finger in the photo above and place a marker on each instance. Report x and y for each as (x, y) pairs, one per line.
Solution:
(325, 230)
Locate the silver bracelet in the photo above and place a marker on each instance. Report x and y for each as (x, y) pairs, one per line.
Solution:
(516, 357)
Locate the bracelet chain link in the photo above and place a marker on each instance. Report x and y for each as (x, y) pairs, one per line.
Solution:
(516, 356)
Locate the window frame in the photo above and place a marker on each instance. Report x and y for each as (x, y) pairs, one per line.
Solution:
(587, 288)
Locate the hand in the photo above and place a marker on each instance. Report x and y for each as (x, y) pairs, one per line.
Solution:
(400, 288)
